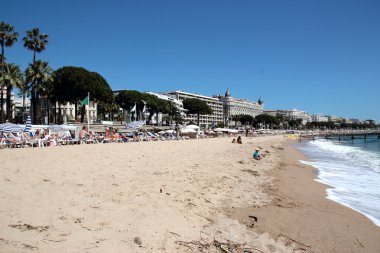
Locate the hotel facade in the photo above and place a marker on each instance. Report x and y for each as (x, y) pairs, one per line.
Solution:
(235, 106)
(210, 120)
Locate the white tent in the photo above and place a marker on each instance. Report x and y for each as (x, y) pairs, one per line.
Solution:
(188, 130)
(63, 130)
(191, 127)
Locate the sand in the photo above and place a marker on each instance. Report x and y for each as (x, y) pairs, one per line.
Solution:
(174, 196)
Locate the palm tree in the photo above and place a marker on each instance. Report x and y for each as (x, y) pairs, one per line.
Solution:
(7, 38)
(12, 78)
(24, 93)
(37, 76)
(35, 41)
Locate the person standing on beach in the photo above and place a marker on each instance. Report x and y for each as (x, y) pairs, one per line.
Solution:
(177, 131)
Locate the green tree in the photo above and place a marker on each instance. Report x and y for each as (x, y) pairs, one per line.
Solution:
(155, 105)
(266, 119)
(35, 42)
(37, 76)
(236, 119)
(72, 84)
(174, 112)
(7, 38)
(13, 77)
(246, 119)
(196, 106)
(127, 99)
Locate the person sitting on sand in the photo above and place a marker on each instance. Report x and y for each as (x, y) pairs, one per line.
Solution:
(233, 140)
(239, 141)
(256, 155)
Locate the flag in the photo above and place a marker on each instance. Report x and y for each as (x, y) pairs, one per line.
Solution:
(134, 108)
(144, 109)
(84, 102)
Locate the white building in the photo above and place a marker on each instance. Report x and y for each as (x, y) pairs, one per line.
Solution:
(171, 98)
(18, 106)
(335, 119)
(157, 119)
(294, 114)
(66, 111)
(319, 118)
(235, 106)
(204, 120)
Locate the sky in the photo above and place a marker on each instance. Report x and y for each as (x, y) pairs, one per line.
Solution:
(319, 56)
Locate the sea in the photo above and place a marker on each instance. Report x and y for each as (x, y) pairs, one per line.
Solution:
(351, 168)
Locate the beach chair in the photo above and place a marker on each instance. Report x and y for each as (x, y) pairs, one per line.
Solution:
(4, 144)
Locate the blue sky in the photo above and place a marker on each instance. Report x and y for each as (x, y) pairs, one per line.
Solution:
(320, 56)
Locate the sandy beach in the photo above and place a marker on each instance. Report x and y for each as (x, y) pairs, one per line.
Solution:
(172, 196)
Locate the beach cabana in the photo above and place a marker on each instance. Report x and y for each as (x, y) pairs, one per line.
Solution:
(63, 130)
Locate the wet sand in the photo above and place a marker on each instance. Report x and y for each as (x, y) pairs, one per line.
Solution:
(300, 212)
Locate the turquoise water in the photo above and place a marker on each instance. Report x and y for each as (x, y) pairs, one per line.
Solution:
(352, 168)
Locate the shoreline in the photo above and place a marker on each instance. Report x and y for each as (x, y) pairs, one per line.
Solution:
(301, 212)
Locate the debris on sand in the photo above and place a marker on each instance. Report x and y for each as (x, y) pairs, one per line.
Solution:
(225, 247)
(25, 227)
(252, 172)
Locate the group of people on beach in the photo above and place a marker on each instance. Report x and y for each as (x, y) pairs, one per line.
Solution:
(26, 138)
(238, 140)
(256, 155)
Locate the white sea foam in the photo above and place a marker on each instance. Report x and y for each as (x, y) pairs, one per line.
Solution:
(353, 172)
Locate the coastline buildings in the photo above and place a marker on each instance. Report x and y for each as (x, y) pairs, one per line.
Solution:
(66, 111)
(224, 109)
(294, 114)
(235, 106)
(156, 119)
(319, 118)
(204, 120)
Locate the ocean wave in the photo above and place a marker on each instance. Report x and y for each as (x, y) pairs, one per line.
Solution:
(352, 171)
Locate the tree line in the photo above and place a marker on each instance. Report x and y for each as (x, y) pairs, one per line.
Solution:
(281, 122)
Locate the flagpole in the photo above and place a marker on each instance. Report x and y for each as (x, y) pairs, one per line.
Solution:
(88, 113)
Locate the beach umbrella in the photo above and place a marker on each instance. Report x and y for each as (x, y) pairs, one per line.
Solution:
(192, 127)
(28, 125)
(188, 130)
(56, 128)
(135, 124)
(10, 127)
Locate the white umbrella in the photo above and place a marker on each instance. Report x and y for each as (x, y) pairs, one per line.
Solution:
(192, 127)
(188, 130)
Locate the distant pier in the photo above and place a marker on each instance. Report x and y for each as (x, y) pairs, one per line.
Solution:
(341, 135)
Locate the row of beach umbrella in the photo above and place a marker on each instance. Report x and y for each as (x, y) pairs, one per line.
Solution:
(10, 127)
